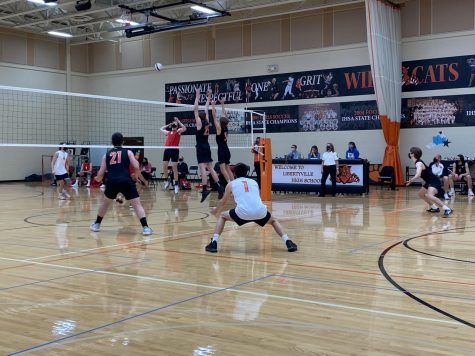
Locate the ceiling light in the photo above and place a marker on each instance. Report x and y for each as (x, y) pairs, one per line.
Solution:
(203, 9)
(60, 34)
(128, 22)
(41, 2)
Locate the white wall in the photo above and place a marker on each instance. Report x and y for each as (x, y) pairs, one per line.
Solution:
(20, 162)
(150, 85)
(147, 84)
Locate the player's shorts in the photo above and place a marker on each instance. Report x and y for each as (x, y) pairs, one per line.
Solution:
(171, 154)
(435, 183)
(224, 155)
(239, 221)
(203, 154)
(126, 187)
(62, 177)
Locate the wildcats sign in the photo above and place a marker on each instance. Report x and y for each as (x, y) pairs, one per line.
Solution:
(429, 74)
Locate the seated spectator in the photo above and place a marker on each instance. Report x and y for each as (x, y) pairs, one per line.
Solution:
(182, 168)
(86, 171)
(461, 172)
(294, 154)
(314, 154)
(440, 170)
(352, 152)
(146, 168)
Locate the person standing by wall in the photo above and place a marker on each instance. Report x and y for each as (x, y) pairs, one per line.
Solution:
(329, 168)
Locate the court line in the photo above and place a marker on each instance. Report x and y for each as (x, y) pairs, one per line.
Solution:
(216, 289)
(369, 286)
(311, 266)
(68, 276)
(203, 295)
(159, 238)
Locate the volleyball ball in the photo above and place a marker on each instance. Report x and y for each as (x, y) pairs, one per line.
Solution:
(158, 67)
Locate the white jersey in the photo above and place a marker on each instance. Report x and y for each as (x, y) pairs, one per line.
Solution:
(246, 195)
(60, 164)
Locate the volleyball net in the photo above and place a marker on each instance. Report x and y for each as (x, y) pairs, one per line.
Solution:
(45, 118)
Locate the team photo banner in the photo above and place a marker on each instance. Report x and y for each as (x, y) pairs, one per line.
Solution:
(427, 74)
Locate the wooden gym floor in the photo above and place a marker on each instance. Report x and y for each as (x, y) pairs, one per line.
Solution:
(373, 276)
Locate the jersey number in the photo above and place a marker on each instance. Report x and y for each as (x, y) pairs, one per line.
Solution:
(225, 137)
(246, 186)
(116, 157)
(206, 133)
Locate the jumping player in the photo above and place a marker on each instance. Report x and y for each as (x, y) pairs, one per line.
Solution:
(116, 161)
(173, 131)
(60, 168)
(432, 185)
(224, 155)
(249, 208)
(203, 150)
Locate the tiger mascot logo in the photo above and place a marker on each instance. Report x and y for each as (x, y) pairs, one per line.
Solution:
(345, 176)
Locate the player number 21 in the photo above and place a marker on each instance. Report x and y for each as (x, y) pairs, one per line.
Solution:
(246, 186)
(115, 157)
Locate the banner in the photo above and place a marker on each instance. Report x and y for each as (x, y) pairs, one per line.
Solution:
(237, 123)
(277, 87)
(319, 117)
(311, 174)
(359, 115)
(427, 74)
(278, 119)
(438, 73)
(440, 111)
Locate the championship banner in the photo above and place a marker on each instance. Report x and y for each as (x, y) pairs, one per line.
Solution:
(359, 115)
(440, 111)
(428, 74)
(278, 119)
(319, 117)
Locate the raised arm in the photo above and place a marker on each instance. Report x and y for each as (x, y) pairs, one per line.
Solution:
(164, 129)
(199, 124)
(215, 118)
(181, 127)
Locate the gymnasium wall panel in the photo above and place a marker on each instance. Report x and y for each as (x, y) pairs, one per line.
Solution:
(306, 32)
(228, 41)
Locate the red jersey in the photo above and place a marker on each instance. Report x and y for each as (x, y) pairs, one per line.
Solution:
(173, 139)
(86, 167)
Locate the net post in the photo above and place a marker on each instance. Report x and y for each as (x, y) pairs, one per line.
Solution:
(266, 169)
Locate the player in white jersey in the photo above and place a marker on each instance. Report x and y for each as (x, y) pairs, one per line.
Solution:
(288, 88)
(60, 167)
(249, 208)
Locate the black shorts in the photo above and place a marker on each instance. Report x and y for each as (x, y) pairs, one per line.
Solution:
(127, 188)
(171, 154)
(434, 183)
(224, 155)
(62, 177)
(203, 154)
(239, 221)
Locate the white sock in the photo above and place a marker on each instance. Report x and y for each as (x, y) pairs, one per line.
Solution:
(434, 206)
(215, 237)
(445, 207)
(285, 237)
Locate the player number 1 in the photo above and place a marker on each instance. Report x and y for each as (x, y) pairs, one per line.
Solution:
(246, 186)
